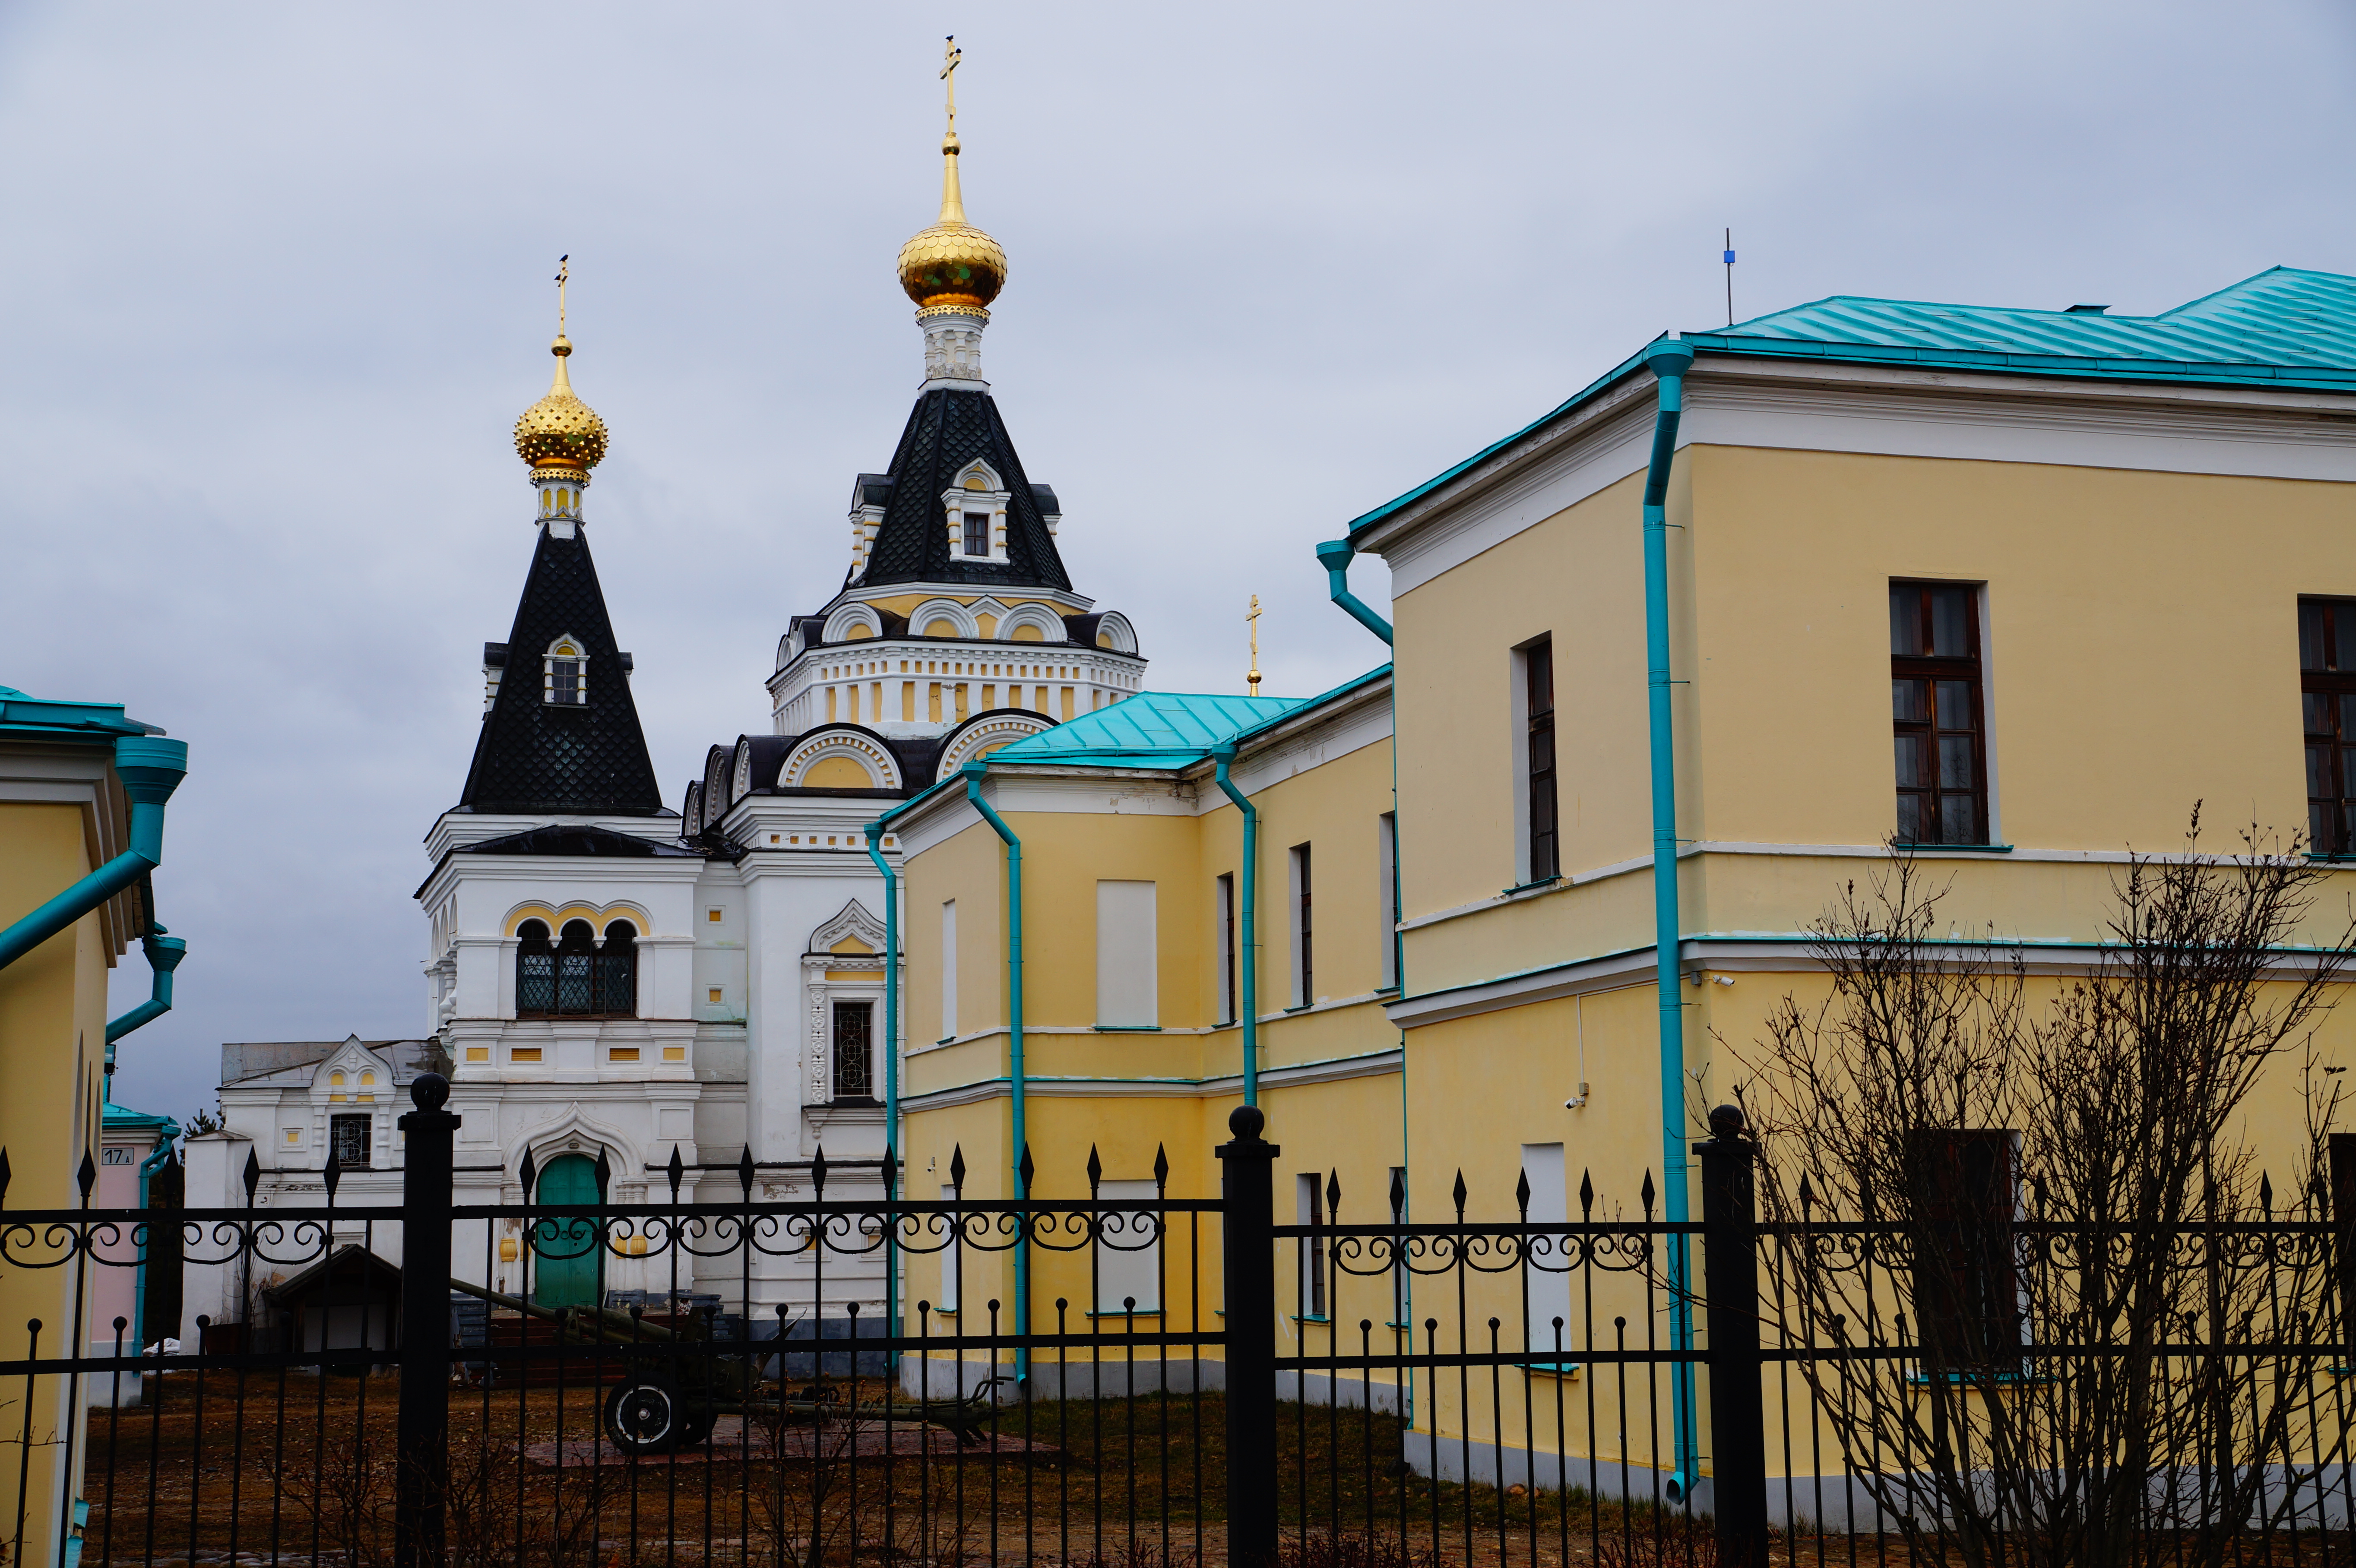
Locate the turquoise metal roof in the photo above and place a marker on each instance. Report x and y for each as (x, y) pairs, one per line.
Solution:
(1168, 730)
(2286, 329)
(2283, 328)
(1151, 730)
(31, 718)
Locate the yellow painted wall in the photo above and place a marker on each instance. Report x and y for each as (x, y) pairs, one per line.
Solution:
(1780, 567)
(52, 1055)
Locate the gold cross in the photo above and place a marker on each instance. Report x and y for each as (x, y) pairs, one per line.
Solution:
(951, 55)
(1252, 620)
(561, 264)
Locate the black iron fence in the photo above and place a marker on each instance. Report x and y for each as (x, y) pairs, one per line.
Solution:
(1190, 1380)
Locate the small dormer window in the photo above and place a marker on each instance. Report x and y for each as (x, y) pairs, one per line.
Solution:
(567, 677)
(977, 534)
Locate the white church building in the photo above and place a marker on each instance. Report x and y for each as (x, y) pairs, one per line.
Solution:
(611, 980)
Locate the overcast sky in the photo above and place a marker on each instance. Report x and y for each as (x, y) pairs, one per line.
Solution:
(275, 285)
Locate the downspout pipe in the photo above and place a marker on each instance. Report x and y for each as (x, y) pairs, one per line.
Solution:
(151, 768)
(1224, 755)
(1668, 360)
(165, 1137)
(973, 774)
(891, 1066)
(1334, 555)
(164, 955)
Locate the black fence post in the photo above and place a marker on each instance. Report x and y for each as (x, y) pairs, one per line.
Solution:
(1247, 1208)
(1731, 1298)
(421, 1457)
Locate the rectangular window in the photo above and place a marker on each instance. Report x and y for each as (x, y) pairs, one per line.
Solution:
(349, 1139)
(1387, 894)
(855, 1051)
(977, 533)
(1126, 995)
(1304, 946)
(565, 684)
(1966, 1292)
(1312, 1190)
(1227, 918)
(1935, 702)
(1546, 1265)
(1538, 690)
(1129, 1249)
(949, 970)
(2327, 686)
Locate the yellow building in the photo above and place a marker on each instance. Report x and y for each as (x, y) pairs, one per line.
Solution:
(81, 825)
(2018, 587)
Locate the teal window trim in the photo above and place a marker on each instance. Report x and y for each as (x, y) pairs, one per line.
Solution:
(1126, 1028)
(1301, 1009)
(1533, 887)
(1140, 1312)
(2331, 860)
(1327, 1321)
(1954, 849)
(1550, 1369)
(1967, 1380)
(945, 1040)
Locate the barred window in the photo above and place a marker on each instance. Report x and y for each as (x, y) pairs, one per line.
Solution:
(349, 1139)
(854, 1055)
(1966, 1290)
(535, 971)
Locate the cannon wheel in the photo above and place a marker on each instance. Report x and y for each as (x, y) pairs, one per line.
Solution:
(647, 1415)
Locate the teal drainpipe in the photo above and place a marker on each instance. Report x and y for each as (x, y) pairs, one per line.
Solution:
(166, 1136)
(891, 1068)
(973, 774)
(1223, 755)
(164, 955)
(1669, 360)
(1334, 555)
(151, 768)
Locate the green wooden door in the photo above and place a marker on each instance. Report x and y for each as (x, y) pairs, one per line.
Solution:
(564, 1263)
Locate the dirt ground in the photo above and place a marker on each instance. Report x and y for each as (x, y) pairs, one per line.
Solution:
(300, 1469)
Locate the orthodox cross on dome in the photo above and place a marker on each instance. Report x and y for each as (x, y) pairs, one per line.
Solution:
(563, 266)
(1251, 678)
(950, 56)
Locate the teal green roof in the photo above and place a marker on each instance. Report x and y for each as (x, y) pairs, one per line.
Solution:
(2285, 329)
(1151, 730)
(1169, 729)
(30, 717)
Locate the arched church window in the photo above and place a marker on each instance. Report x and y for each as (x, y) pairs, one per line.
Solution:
(576, 953)
(567, 677)
(617, 970)
(535, 971)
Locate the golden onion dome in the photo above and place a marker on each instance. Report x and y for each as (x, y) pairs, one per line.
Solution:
(952, 263)
(561, 431)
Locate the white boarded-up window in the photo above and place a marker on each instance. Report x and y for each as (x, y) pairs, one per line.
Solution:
(1128, 1248)
(948, 969)
(1549, 1276)
(1125, 990)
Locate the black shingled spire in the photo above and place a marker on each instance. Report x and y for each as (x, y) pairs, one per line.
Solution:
(536, 756)
(948, 428)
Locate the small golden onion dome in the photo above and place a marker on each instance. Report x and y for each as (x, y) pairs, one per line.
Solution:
(952, 263)
(561, 431)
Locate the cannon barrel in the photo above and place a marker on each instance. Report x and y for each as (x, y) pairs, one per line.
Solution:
(589, 1323)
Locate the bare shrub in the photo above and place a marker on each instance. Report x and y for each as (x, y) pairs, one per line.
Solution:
(2068, 1255)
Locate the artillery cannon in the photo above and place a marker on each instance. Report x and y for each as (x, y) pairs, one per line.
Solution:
(676, 1383)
